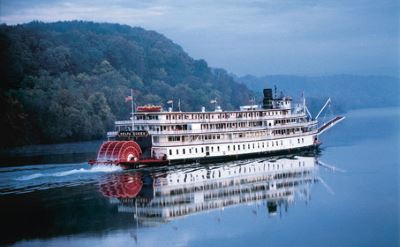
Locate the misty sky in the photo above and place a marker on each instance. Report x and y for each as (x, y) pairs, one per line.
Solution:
(304, 37)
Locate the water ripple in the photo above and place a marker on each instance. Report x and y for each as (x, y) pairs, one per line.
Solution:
(25, 179)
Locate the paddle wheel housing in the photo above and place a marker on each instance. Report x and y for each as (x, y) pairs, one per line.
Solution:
(116, 152)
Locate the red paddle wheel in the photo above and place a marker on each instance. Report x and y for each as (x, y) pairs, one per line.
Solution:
(116, 152)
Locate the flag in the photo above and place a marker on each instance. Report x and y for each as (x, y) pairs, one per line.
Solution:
(170, 101)
(128, 98)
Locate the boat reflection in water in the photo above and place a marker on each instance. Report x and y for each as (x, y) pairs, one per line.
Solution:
(170, 193)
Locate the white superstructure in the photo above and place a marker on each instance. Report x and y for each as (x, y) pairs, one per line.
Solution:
(251, 130)
(154, 136)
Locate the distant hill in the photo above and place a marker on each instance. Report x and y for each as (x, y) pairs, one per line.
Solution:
(347, 91)
(67, 81)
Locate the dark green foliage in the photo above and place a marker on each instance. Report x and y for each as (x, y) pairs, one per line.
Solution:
(67, 81)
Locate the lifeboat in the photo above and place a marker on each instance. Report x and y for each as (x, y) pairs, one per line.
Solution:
(149, 108)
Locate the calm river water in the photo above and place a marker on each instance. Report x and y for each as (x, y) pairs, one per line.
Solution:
(347, 195)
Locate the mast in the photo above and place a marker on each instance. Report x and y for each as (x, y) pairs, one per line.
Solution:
(133, 113)
(305, 105)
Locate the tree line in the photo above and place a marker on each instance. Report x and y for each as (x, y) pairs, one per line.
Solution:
(67, 81)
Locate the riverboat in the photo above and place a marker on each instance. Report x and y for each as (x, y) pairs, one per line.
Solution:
(154, 136)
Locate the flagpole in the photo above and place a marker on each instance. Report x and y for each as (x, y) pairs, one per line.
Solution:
(133, 123)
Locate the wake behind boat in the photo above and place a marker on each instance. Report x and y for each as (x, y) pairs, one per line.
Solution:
(156, 136)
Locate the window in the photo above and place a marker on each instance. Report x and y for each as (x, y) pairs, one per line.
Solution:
(177, 151)
(170, 152)
(183, 151)
(229, 148)
(202, 150)
(218, 148)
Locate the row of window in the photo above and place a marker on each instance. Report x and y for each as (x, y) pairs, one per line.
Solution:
(234, 136)
(231, 125)
(290, 120)
(223, 115)
(234, 147)
(216, 126)
(146, 117)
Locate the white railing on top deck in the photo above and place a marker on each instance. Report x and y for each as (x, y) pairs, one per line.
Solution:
(224, 130)
(228, 130)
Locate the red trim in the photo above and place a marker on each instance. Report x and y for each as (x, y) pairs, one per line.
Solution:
(154, 108)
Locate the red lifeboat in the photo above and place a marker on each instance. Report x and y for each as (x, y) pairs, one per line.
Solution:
(117, 152)
(149, 108)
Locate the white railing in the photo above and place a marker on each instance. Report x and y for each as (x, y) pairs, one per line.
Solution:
(224, 130)
(215, 120)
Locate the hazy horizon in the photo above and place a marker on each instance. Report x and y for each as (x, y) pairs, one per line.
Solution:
(309, 38)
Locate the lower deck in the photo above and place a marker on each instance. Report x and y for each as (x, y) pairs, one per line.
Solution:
(216, 158)
(210, 150)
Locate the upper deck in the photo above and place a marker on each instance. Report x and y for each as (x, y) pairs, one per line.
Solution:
(275, 114)
(208, 117)
(279, 108)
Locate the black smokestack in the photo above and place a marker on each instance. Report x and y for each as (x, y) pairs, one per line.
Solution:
(267, 101)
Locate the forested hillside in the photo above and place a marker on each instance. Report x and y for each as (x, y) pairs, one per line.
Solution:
(67, 81)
